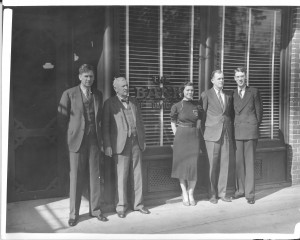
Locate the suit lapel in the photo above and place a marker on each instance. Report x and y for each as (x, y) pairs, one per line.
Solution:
(133, 109)
(226, 97)
(216, 100)
(96, 103)
(242, 102)
(118, 105)
(78, 98)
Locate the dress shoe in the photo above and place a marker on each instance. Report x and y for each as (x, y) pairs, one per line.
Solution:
(213, 200)
(226, 199)
(121, 214)
(237, 196)
(72, 222)
(102, 218)
(144, 210)
(251, 201)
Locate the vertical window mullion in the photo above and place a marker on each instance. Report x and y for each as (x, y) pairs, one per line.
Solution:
(192, 43)
(272, 77)
(249, 44)
(223, 38)
(127, 44)
(161, 73)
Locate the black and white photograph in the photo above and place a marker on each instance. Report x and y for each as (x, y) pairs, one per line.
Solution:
(150, 120)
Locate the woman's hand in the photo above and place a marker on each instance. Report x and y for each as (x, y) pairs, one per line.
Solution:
(174, 128)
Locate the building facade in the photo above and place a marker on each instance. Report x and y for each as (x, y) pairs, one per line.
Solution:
(156, 48)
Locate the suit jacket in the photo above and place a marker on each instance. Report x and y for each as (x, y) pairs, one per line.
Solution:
(115, 128)
(71, 116)
(215, 118)
(248, 113)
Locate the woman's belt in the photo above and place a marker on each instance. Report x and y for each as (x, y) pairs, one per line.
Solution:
(191, 125)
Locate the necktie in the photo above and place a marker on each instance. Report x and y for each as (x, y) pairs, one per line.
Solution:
(88, 94)
(240, 93)
(220, 100)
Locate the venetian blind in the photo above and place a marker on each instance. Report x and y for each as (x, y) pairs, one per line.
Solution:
(143, 61)
(252, 38)
(176, 53)
(161, 43)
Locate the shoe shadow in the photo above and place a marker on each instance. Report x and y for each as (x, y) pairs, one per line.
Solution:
(264, 192)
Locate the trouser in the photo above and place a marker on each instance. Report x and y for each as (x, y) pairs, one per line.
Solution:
(129, 164)
(85, 164)
(221, 166)
(245, 159)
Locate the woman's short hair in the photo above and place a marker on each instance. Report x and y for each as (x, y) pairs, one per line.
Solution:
(187, 84)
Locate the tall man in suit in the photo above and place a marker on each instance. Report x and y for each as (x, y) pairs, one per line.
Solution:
(124, 140)
(79, 115)
(248, 116)
(217, 106)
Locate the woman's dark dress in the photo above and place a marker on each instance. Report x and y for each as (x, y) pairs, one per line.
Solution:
(186, 143)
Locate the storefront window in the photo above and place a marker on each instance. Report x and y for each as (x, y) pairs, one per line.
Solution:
(251, 37)
(158, 53)
(160, 50)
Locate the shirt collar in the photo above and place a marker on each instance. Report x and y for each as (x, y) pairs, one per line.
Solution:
(84, 89)
(221, 91)
(120, 98)
(243, 89)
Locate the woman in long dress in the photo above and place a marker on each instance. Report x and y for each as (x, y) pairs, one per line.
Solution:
(185, 123)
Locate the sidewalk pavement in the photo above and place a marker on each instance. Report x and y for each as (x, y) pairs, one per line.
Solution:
(276, 211)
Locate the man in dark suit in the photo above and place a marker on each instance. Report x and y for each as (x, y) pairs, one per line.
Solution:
(248, 116)
(79, 115)
(124, 140)
(217, 106)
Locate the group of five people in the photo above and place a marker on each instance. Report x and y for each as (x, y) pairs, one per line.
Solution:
(117, 129)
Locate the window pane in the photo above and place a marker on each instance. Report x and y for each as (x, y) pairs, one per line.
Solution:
(143, 63)
(176, 54)
(264, 60)
(261, 66)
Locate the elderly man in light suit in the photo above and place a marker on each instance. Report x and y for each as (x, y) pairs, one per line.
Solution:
(124, 140)
(217, 106)
(248, 116)
(79, 115)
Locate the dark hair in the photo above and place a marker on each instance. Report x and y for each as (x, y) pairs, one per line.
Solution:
(240, 69)
(214, 72)
(86, 68)
(187, 84)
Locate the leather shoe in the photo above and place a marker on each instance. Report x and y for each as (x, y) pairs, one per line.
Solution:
(213, 200)
(72, 222)
(237, 196)
(102, 218)
(226, 199)
(250, 201)
(144, 210)
(121, 214)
